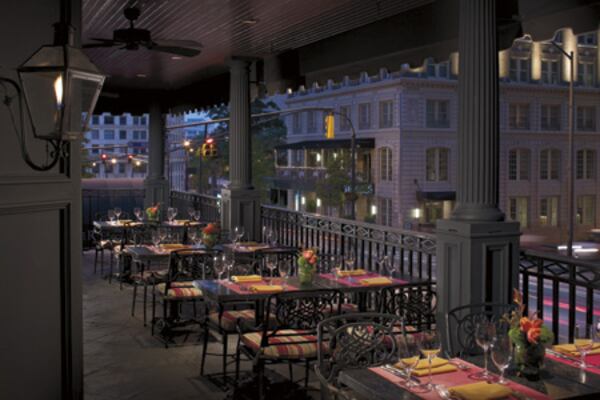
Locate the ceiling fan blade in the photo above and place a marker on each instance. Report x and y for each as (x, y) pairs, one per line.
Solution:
(192, 44)
(103, 43)
(180, 51)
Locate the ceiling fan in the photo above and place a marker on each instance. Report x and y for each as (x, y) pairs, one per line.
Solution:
(133, 38)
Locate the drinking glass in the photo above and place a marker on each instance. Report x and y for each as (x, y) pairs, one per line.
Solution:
(501, 350)
(191, 212)
(238, 234)
(229, 262)
(350, 262)
(163, 234)
(430, 345)
(385, 267)
(111, 215)
(219, 266)
(271, 264)
(193, 235)
(284, 273)
(409, 355)
(196, 215)
(171, 214)
(485, 331)
(584, 342)
(138, 213)
(118, 212)
(155, 238)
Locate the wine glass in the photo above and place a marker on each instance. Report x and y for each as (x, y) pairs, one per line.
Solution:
(229, 262)
(501, 350)
(385, 267)
(163, 234)
(219, 265)
(238, 233)
(111, 215)
(171, 214)
(284, 273)
(191, 212)
(409, 355)
(430, 346)
(118, 212)
(193, 236)
(584, 342)
(350, 262)
(155, 238)
(196, 215)
(485, 332)
(271, 264)
(138, 213)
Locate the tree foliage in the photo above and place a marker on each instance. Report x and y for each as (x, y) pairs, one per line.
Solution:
(331, 189)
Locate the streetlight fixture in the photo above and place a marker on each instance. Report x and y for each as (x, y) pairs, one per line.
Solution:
(570, 170)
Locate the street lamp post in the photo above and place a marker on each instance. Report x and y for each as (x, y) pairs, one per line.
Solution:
(570, 169)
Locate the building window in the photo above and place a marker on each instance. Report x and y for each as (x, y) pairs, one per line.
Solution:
(586, 73)
(122, 120)
(95, 149)
(518, 209)
(518, 116)
(586, 210)
(344, 119)
(95, 134)
(551, 71)
(586, 164)
(549, 211)
(281, 158)
(314, 158)
(437, 164)
(311, 124)
(432, 211)
(296, 123)
(384, 210)
(109, 120)
(519, 69)
(143, 135)
(122, 135)
(121, 168)
(95, 120)
(586, 118)
(587, 38)
(549, 164)
(437, 114)
(364, 116)
(298, 158)
(143, 120)
(386, 114)
(550, 117)
(518, 164)
(385, 164)
(109, 135)
(136, 120)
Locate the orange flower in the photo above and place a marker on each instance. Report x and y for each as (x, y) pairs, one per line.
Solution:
(537, 323)
(526, 324)
(308, 254)
(210, 229)
(533, 335)
(313, 260)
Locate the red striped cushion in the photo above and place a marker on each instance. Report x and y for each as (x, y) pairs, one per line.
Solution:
(296, 346)
(184, 292)
(229, 318)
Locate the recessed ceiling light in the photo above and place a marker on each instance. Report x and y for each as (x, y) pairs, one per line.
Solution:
(141, 75)
(249, 21)
(176, 57)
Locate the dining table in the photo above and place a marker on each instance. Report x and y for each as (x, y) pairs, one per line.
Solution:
(558, 380)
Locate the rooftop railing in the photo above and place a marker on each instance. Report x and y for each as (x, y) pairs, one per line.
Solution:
(209, 206)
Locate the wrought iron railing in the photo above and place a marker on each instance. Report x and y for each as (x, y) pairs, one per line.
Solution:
(413, 253)
(562, 289)
(209, 206)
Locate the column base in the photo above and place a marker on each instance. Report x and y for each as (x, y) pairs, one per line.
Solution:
(241, 207)
(477, 262)
(157, 191)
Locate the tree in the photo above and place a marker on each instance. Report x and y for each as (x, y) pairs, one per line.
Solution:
(331, 189)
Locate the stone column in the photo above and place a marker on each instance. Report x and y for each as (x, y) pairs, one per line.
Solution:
(155, 184)
(477, 252)
(240, 201)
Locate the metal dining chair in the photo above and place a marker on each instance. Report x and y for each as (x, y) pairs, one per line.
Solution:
(354, 341)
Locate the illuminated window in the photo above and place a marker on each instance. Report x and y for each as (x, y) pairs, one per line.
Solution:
(518, 210)
(549, 211)
(586, 210)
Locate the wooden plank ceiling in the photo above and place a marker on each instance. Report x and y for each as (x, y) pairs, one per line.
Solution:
(225, 28)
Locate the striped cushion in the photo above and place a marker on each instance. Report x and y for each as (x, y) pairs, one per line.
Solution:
(229, 318)
(179, 290)
(349, 308)
(296, 346)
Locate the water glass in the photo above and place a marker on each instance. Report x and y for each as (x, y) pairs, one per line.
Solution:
(118, 212)
(191, 212)
(138, 213)
(284, 273)
(155, 238)
(238, 234)
(485, 332)
(409, 355)
(584, 341)
(271, 264)
(111, 215)
(193, 235)
(385, 267)
(501, 350)
(430, 345)
(219, 265)
(350, 262)
(171, 213)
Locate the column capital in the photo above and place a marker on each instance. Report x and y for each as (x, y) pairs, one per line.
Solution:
(239, 62)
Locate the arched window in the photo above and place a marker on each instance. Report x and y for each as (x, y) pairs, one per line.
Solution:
(519, 164)
(385, 164)
(437, 164)
(549, 164)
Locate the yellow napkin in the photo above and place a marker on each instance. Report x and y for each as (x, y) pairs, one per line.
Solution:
(380, 280)
(480, 391)
(246, 278)
(173, 246)
(438, 366)
(355, 272)
(571, 350)
(125, 221)
(266, 288)
(181, 221)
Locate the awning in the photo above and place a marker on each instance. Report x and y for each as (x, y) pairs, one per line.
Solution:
(328, 144)
(436, 196)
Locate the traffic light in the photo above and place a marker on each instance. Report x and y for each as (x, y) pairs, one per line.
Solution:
(129, 158)
(329, 126)
(209, 148)
(104, 157)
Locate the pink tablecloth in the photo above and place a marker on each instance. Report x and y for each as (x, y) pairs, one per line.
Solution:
(593, 360)
(354, 281)
(457, 378)
(244, 288)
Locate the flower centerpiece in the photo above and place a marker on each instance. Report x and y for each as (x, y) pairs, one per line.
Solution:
(153, 213)
(307, 265)
(210, 235)
(530, 336)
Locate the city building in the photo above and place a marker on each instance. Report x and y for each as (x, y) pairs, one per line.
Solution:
(406, 127)
(117, 145)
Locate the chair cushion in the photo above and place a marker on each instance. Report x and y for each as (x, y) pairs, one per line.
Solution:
(179, 290)
(298, 345)
(229, 318)
(107, 244)
(349, 308)
(148, 276)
